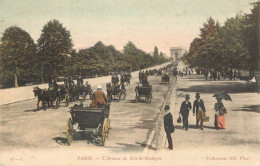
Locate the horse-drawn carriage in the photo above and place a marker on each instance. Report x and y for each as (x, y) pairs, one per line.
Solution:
(159, 72)
(87, 120)
(165, 79)
(53, 96)
(115, 79)
(80, 91)
(143, 77)
(116, 91)
(143, 91)
(125, 78)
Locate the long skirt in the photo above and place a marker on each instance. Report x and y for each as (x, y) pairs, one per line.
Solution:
(220, 121)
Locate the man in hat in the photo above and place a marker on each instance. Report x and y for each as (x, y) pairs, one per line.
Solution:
(199, 108)
(168, 125)
(184, 111)
(99, 98)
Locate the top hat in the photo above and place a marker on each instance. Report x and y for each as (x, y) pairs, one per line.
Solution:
(167, 107)
(197, 94)
(187, 96)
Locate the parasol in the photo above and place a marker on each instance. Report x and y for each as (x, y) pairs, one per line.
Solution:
(224, 96)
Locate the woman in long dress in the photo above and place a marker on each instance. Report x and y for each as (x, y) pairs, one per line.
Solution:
(220, 110)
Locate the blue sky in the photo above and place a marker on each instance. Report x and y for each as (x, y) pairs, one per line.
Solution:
(147, 23)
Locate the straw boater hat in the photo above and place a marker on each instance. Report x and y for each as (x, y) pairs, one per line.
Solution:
(99, 87)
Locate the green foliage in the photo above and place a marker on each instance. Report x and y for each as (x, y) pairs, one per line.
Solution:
(18, 55)
(139, 59)
(251, 36)
(234, 45)
(55, 45)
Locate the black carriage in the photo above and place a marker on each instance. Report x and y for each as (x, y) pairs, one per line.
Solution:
(117, 91)
(165, 79)
(143, 78)
(57, 95)
(125, 78)
(89, 121)
(80, 91)
(143, 91)
(115, 80)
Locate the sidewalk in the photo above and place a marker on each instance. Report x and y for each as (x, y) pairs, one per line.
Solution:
(12, 95)
(242, 118)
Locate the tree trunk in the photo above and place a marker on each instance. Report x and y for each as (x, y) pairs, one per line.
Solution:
(15, 81)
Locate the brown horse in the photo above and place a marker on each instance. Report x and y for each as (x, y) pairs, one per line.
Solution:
(42, 95)
(109, 91)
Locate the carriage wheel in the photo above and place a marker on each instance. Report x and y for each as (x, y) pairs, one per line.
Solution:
(136, 96)
(67, 100)
(124, 94)
(151, 96)
(108, 127)
(119, 95)
(56, 103)
(104, 132)
(69, 132)
(84, 96)
(44, 105)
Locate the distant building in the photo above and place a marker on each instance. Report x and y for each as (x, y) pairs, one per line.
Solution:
(177, 52)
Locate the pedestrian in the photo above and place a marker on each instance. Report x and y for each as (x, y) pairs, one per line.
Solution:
(235, 75)
(184, 111)
(218, 75)
(168, 125)
(220, 110)
(199, 109)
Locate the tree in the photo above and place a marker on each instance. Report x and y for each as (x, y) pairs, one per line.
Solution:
(55, 45)
(130, 53)
(190, 57)
(210, 27)
(18, 56)
(251, 35)
(156, 55)
(202, 49)
(233, 49)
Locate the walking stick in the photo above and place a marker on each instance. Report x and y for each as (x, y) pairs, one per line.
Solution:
(164, 143)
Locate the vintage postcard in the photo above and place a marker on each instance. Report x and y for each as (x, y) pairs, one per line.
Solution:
(129, 82)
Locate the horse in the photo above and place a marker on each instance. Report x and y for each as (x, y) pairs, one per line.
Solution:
(109, 91)
(89, 91)
(42, 95)
(125, 78)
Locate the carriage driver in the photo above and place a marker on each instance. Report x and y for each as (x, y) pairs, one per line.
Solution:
(99, 98)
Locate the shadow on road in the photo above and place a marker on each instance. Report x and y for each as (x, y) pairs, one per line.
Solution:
(61, 141)
(229, 87)
(145, 124)
(132, 147)
(131, 101)
(252, 108)
(194, 127)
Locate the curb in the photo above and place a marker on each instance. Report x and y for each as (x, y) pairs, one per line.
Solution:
(151, 137)
(18, 101)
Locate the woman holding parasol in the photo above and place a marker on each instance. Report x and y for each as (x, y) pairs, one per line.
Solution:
(220, 110)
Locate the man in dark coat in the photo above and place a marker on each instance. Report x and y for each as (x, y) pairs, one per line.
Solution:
(184, 110)
(199, 107)
(168, 125)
